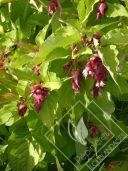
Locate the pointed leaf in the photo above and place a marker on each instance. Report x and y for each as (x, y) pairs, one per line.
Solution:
(61, 38)
(110, 60)
(116, 10)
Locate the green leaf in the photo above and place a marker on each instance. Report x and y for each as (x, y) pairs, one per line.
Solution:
(4, 1)
(117, 37)
(81, 10)
(8, 39)
(8, 114)
(22, 149)
(117, 91)
(24, 74)
(21, 86)
(48, 111)
(105, 103)
(8, 97)
(38, 19)
(57, 54)
(66, 101)
(110, 60)
(116, 10)
(84, 51)
(61, 38)
(7, 80)
(21, 60)
(126, 2)
(38, 130)
(51, 81)
(124, 71)
(20, 10)
(42, 34)
(89, 5)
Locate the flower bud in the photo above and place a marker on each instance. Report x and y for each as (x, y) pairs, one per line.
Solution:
(102, 8)
(98, 15)
(22, 108)
(75, 75)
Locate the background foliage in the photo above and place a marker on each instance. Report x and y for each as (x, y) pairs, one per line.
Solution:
(28, 37)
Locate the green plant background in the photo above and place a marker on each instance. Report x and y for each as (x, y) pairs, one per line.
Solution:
(28, 36)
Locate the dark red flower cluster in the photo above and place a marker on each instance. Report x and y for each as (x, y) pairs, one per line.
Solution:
(102, 7)
(22, 108)
(36, 69)
(90, 43)
(53, 6)
(75, 74)
(39, 94)
(96, 70)
(93, 130)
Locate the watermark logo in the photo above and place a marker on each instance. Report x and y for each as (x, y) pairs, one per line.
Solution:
(80, 133)
(91, 137)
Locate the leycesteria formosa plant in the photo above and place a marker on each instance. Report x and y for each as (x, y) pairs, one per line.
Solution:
(63, 85)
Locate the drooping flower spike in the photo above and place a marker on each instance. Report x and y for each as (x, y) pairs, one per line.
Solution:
(39, 94)
(95, 69)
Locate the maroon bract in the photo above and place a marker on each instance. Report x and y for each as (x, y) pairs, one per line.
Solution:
(98, 15)
(1, 65)
(97, 36)
(96, 91)
(53, 6)
(68, 66)
(75, 75)
(22, 108)
(36, 69)
(93, 130)
(75, 49)
(101, 9)
(92, 66)
(39, 94)
(84, 40)
(100, 75)
(80, 64)
(96, 70)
